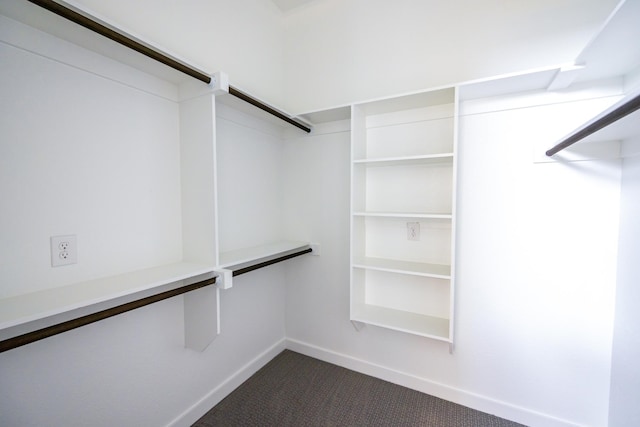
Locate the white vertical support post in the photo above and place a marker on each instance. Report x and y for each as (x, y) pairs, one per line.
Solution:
(199, 208)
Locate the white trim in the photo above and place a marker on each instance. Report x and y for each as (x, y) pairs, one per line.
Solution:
(211, 399)
(462, 397)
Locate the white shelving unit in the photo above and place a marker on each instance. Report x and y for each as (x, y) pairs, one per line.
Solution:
(403, 184)
(195, 248)
(48, 39)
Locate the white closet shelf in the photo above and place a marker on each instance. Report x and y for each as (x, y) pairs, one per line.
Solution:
(438, 271)
(404, 215)
(405, 321)
(446, 158)
(259, 253)
(38, 305)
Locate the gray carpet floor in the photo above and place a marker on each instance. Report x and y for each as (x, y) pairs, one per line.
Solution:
(296, 390)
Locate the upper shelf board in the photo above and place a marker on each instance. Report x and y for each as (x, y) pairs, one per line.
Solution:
(614, 50)
(50, 23)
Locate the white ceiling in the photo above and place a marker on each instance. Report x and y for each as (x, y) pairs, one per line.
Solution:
(287, 5)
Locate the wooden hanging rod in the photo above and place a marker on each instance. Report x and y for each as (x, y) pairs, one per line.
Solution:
(243, 270)
(59, 328)
(604, 121)
(235, 92)
(118, 37)
(152, 53)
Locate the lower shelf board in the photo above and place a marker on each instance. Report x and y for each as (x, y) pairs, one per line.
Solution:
(259, 253)
(22, 309)
(404, 267)
(413, 323)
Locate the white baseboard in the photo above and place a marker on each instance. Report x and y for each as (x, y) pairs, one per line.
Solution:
(471, 400)
(193, 414)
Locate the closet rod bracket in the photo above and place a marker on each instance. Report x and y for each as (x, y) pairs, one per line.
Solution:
(224, 278)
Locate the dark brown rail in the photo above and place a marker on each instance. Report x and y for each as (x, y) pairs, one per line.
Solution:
(604, 121)
(139, 47)
(117, 37)
(235, 92)
(247, 269)
(59, 328)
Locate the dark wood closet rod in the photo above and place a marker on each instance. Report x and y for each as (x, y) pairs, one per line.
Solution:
(604, 121)
(117, 37)
(139, 47)
(235, 92)
(59, 328)
(249, 268)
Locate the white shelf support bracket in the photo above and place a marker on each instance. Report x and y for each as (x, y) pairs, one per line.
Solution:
(315, 249)
(224, 278)
(358, 325)
(451, 348)
(201, 317)
(219, 83)
(565, 76)
(191, 89)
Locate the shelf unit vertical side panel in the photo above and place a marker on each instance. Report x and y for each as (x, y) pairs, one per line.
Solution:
(199, 242)
(356, 245)
(454, 204)
(198, 179)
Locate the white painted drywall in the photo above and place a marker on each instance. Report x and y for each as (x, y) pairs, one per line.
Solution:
(250, 180)
(536, 246)
(625, 371)
(338, 52)
(83, 155)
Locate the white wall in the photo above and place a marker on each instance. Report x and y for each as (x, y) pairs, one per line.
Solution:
(250, 185)
(537, 248)
(79, 152)
(87, 153)
(338, 52)
(625, 372)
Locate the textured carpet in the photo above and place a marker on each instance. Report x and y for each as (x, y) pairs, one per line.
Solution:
(296, 390)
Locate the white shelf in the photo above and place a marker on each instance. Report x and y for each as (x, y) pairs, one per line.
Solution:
(418, 324)
(404, 215)
(259, 253)
(40, 305)
(438, 271)
(407, 160)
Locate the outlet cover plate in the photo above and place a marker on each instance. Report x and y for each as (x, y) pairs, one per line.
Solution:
(64, 250)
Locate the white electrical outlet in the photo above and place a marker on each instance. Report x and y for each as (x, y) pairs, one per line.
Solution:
(64, 250)
(413, 231)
